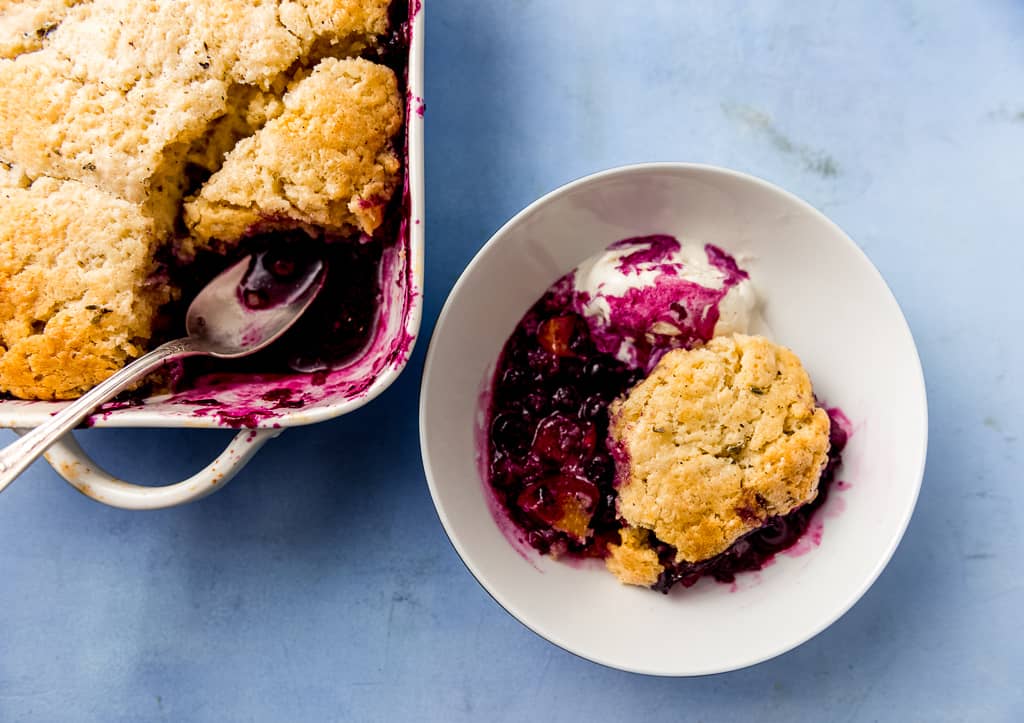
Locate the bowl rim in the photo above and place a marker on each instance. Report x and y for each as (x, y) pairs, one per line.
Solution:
(496, 238)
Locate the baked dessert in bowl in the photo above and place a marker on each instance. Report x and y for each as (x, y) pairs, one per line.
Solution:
(193, 134)
(628, 420)
(702, 476)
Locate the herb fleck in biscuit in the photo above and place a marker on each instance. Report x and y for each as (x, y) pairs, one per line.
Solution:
(26, 24)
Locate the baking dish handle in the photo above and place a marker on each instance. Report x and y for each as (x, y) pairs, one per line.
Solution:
(71, 462)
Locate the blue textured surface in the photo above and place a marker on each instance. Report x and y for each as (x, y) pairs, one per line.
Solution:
(320, 586)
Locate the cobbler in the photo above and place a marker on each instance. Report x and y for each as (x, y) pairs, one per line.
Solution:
(630, 420)
(144, 146)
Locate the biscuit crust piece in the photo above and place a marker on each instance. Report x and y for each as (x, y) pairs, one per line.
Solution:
(326, 161)
(72, 310)
(715, 441)
(634, 561)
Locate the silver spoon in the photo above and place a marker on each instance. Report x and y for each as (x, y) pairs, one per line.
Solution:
(220, 323)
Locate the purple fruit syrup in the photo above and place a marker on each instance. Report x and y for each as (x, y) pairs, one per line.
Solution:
(336, 326)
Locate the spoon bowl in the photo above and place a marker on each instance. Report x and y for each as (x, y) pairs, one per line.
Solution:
(252, 303)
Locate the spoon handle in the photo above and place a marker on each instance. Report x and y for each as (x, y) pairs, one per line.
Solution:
(19, 455)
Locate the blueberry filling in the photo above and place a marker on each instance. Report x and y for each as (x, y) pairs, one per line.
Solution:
(333, 330)
(549, 461)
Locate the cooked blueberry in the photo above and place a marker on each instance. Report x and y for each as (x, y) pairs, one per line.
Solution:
(562, 439)
(536, 402)
(282, 268)
(513, 377)
(543, 363)
(775, 531)
(593, 406)
(510, 433)
(565, 398)
(600, 467)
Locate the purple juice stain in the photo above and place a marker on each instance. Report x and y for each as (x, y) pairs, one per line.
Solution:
(726, 264)
(658, 247)
(546, 432)
(282, 397)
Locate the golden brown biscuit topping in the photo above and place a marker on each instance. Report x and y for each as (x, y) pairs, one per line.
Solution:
(716, 440)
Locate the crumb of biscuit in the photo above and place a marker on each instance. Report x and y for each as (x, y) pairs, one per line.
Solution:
(633, 561)
(326, 160)
(717, 439)
(72, 309)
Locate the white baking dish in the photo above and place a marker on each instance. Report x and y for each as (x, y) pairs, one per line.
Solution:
(259, 415)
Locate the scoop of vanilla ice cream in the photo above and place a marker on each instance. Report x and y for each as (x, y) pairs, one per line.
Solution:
(646, 295)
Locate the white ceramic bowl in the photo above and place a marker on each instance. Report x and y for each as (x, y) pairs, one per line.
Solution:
(822, 297)
(247, 404)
